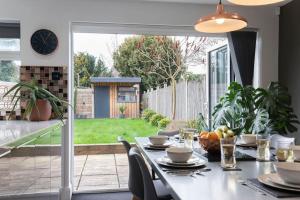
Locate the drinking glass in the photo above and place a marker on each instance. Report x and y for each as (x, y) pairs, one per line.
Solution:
(284, 151)
(263, 150)
(228, 152)
(188, 139)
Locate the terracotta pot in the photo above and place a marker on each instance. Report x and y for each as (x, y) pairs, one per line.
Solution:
(42, 111)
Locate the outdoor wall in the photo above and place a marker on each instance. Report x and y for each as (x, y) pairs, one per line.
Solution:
(84, 103)
(289, 53)
(57, 15)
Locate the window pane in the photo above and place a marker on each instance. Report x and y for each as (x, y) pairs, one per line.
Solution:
(9, 44)
(126, 95)
(9, 70)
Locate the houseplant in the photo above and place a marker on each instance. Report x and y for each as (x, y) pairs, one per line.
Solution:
(39, 102)
(256, 111)
(122, 110)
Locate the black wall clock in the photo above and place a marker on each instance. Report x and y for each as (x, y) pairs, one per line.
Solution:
(44, 41)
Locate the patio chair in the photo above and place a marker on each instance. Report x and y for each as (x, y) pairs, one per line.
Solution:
(135, 182)
(151, 190)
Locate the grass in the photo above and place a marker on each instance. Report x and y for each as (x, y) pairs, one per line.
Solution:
(101, 131)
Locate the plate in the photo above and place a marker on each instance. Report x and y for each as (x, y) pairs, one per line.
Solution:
(164, 162)
(275, 178)
(192, 161)
(166, 145)
(265, 179)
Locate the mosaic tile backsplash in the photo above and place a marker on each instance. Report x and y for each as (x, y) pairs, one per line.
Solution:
(53, 78)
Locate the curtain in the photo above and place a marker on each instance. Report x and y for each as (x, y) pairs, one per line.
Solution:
(242, 46)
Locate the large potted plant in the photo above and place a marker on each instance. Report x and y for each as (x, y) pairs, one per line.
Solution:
(122, 110)
(256, 111)
(39, 102)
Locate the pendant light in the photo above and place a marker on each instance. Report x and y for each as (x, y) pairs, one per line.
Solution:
(220, 22)
(254, 2)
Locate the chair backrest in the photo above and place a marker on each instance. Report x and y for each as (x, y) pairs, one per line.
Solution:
(149, 189)
(135, 180)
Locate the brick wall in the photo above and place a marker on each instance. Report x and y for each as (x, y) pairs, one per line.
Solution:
(84, 103)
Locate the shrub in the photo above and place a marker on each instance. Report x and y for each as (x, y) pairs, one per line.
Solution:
(155, 119)
(164, 122)
(147, 114)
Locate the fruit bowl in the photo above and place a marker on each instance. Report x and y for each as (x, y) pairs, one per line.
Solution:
(211, 146)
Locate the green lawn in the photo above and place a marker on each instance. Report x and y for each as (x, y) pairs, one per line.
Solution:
(96, 131)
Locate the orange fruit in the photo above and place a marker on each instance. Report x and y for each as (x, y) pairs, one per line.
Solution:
(204, 134)
(213, 136)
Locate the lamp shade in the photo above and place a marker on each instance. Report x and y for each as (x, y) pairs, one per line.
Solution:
(220, 22)
(254, 2)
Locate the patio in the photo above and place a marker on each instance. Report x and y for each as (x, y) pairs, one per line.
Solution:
(43, 173)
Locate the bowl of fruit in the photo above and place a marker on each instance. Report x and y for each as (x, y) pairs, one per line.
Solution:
(210, 141)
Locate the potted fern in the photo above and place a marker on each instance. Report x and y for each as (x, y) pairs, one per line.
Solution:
(39, 102)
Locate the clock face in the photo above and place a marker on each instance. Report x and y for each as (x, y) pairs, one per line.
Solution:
(44, 41)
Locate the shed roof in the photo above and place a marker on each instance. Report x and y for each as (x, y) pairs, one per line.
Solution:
(115, 79)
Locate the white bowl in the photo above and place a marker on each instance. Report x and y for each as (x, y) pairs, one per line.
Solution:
(249, 138)
(289, 172)
(296, 150)
(158, 139)
(179, 155)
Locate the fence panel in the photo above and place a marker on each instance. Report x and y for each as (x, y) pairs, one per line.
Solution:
(191, 99)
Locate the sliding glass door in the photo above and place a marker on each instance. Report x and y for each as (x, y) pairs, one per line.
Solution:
(219, 74)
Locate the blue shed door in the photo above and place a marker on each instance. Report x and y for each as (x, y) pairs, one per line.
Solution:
(101, 102)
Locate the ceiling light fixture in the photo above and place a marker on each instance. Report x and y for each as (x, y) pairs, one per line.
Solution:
(220, 22)
(254, 2)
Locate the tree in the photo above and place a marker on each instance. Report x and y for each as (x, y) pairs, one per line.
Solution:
(9, 71)
(87, 66)
(130, 61)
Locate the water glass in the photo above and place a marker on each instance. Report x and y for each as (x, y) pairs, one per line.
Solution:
(284, 151)
(263, 150)
(188, 139)
(228, 152)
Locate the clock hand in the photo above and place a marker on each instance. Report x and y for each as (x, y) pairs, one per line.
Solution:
(42, 39)
(47, 36)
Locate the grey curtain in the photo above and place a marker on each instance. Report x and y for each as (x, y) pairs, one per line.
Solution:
(9, 30)
(242, 46)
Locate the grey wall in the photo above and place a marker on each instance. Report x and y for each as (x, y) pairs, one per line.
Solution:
(289, 53)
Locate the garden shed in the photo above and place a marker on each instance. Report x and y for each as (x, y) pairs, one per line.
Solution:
(111, 93)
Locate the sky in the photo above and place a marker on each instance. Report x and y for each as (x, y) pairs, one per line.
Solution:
(103, 45)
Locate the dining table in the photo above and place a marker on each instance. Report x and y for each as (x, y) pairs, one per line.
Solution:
(215, 184)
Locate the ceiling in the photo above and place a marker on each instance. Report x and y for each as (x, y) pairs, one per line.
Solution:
(205, 1)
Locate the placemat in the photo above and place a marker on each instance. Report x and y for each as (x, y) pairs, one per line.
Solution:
(271, 191)
(239, 156)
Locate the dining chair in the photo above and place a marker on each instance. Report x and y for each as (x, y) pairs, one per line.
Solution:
(151, 191)
(135, 181)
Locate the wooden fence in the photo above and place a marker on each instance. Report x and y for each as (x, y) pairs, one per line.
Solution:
(191, 99)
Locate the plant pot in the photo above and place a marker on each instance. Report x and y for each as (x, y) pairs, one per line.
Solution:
(42, 111)
(122, 116)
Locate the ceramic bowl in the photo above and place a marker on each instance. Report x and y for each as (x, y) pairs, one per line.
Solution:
(296, 150)
(179, 155)
(158, 139)
(249, 139)
(289, 172)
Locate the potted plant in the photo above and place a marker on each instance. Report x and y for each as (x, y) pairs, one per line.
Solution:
(122, 110)
(39, 102)
(256, 111)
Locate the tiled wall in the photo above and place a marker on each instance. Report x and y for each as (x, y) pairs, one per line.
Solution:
(43, 75)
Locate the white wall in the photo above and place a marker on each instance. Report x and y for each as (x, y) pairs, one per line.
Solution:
(57, 15)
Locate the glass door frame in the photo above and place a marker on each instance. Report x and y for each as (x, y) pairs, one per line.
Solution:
(209, 72)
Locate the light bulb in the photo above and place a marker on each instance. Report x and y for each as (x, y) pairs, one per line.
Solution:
(220, 21)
